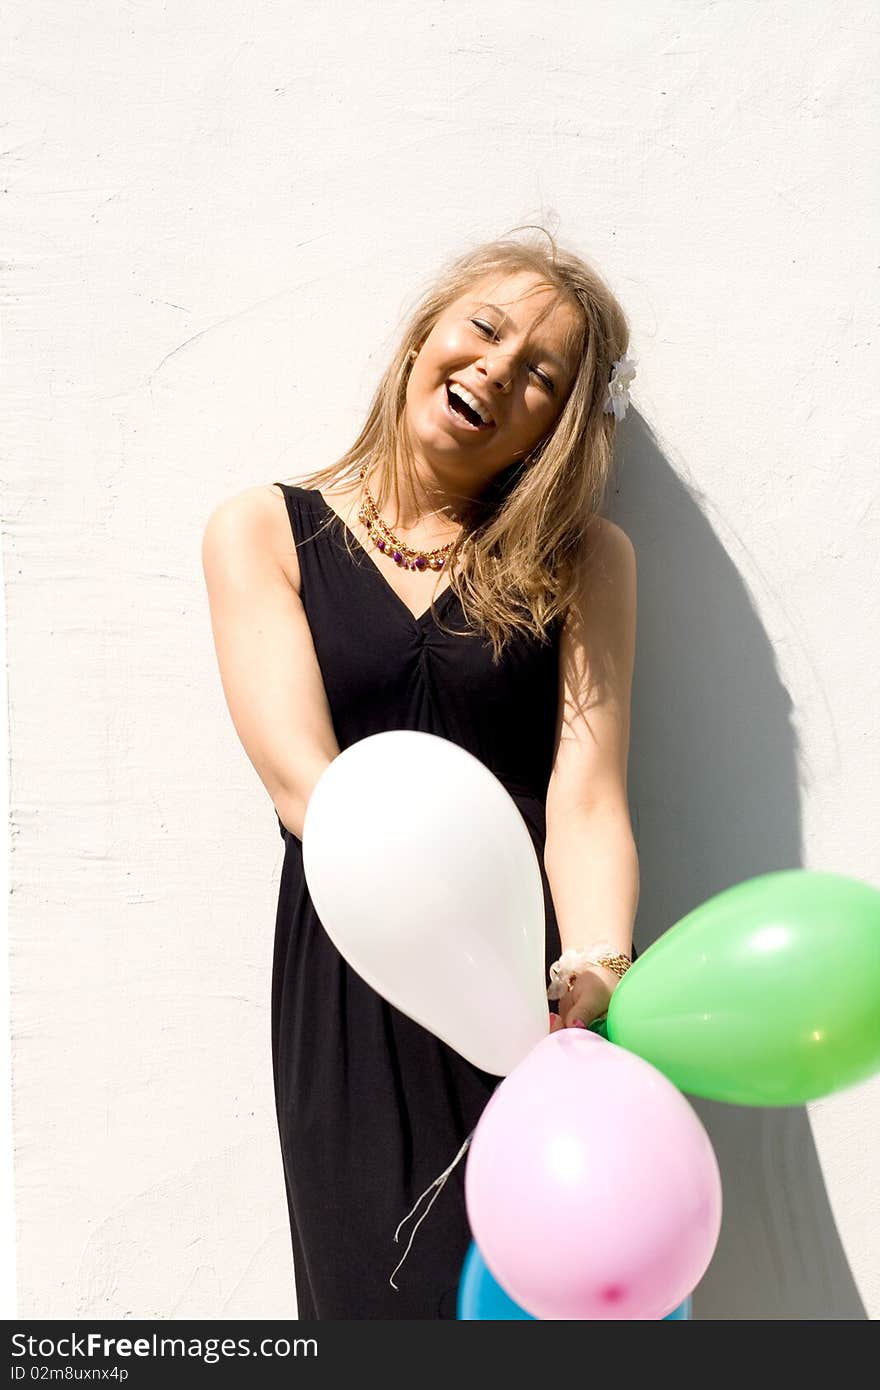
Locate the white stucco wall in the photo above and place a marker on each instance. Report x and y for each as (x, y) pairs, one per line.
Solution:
(214, 216)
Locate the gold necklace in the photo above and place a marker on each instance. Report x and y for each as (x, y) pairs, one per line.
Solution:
(385, 540)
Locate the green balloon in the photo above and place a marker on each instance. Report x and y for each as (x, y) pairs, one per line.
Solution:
(767, 994)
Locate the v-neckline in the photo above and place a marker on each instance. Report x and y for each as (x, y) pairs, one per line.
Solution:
(416, 618)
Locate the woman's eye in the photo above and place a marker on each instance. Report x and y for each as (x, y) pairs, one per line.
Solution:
(490, 332)
(545, 380)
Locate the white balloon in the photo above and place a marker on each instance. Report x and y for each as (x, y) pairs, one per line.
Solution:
(424, 875)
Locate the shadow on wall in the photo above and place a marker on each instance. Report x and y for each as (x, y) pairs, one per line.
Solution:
(714, 797)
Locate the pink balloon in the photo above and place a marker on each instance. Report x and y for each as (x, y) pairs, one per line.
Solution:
(592, 1187)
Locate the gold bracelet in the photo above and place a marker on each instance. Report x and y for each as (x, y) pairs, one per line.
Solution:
(564, 971)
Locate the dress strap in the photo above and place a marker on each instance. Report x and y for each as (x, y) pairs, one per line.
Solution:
(301, 510)
(304, 516)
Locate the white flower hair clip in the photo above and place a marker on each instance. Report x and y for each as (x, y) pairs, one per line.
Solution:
(624, 370)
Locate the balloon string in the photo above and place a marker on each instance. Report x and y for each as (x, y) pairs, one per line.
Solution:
(439, 1183)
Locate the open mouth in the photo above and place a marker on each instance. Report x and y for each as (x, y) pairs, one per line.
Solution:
(462, 412)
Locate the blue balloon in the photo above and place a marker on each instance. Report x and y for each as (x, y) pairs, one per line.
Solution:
(480, 1296)
(684, 1310)
(482, 1299)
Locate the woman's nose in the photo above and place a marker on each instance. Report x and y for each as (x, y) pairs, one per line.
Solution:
(499, 373)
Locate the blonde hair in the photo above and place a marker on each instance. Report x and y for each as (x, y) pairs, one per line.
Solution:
(517, 563)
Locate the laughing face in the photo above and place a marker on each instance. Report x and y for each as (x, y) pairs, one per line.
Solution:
(490, 381)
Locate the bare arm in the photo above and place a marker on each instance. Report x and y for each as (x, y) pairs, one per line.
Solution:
(590, 853)
(270, 673)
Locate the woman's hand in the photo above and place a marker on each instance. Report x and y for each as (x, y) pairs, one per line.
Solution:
(587, 999)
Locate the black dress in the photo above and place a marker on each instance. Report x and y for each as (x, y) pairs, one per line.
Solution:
(371, 1106)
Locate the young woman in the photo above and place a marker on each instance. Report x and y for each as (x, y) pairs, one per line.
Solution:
(451, 573)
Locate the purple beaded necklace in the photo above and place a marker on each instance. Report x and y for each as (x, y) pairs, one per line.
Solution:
(386, 541)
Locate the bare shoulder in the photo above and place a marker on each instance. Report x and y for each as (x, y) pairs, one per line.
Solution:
(602, 613)
(611, 545)
(252, 523)
(610, 567)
